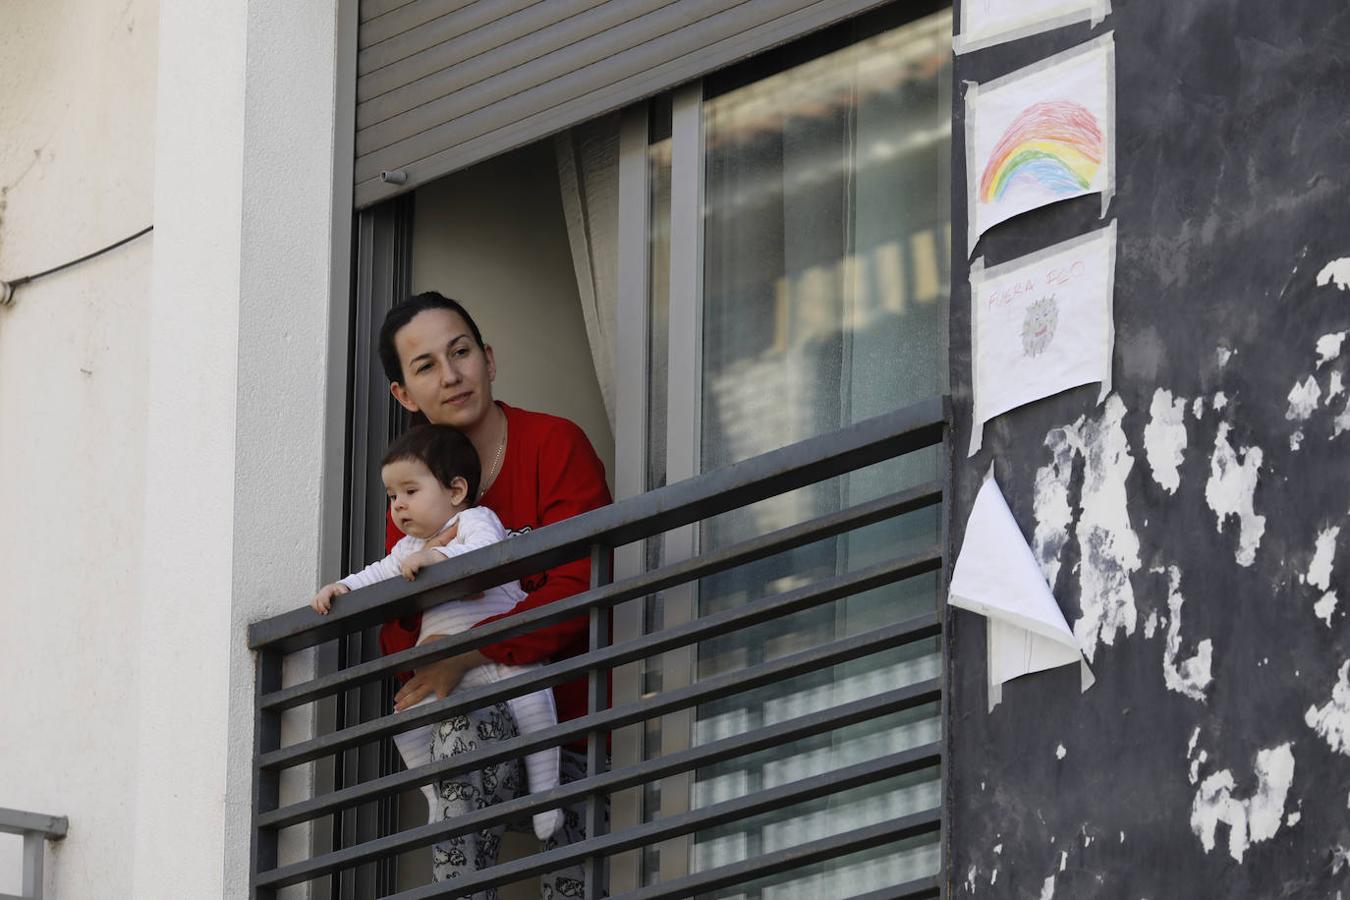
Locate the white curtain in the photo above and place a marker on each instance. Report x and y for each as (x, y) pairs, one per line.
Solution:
(588, 176)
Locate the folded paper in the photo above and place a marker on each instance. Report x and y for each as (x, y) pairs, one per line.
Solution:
(997, 576)
(988, 22)
(1041, 324)
(1041, 134)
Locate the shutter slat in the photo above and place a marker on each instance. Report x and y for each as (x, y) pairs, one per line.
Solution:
(487, 112)
(445, 67)
(651, 39)
(436, 31)
(408, 18)
(370, 9)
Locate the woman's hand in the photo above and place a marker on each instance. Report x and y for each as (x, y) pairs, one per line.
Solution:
(323, 600)
(442, 537)
(418, 561)
(439, 678)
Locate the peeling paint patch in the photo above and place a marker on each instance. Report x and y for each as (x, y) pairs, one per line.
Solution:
(1110, 547)
(1189, 677)
(1329, 347)
(1060, 752)
(1063, 859)
(1230, 491)
(1151, 625)
(1296, 440)
(1324, 551)
(1052, 510)
(1292, 819)
(1249, 821)
(1196, 763)
(1048, 889)
(1224, 354)
(1334, 386)
(1198, 407)
(970, 879)
(1303, 399)
(1342, 422)
(1165, 439)
(1337, 271)
(1325, 608)
(1332, 721)
(1220, 401)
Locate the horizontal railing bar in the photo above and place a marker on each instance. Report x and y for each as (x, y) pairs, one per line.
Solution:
(922, 889)
(618, 779)
(767, 800)
(917, 629)
(789, 858)
(16, 821)
(744, 552)
(899, 763)
(776, 472)
(728, 748)
(718, 623)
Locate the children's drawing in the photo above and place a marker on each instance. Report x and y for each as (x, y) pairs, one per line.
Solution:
(1040, 135)
(988, 22)
(1053, 149)
(1038, 328)
(1041, 324)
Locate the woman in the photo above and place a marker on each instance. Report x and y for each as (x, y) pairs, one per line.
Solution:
(537, 469)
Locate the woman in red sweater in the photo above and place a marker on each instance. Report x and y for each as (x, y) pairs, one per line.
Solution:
(537, 469)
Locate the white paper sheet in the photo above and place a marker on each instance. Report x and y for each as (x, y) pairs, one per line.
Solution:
(997, 576)
(988, 22)
(1040, 135)
(1041, 324)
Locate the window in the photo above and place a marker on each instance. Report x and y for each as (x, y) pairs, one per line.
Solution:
(809, 192)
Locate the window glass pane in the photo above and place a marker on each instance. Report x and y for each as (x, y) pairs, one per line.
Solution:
(826, 275)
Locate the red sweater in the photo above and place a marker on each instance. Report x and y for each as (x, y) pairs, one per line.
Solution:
(550, 473)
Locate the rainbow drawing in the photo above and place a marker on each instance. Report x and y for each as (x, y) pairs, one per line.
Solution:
(1055, 146)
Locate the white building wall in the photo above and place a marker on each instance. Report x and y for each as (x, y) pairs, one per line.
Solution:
(168, 424)
(77, 125)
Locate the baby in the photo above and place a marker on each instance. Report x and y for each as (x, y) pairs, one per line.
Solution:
(432, 475)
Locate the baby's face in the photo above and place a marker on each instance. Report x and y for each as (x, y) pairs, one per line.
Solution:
(418, 502)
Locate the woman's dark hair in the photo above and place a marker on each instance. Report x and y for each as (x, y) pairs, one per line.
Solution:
(404, 313)
(443, 450)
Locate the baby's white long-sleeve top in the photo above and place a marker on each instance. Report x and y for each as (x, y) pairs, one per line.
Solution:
(478, 527)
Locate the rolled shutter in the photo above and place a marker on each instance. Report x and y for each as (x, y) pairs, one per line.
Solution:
(442, 84)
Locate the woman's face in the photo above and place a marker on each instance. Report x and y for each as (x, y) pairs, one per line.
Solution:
(446, 376)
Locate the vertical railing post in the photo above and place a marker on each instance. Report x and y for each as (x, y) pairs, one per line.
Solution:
(266, 785)
(597, 699)
(34, 848)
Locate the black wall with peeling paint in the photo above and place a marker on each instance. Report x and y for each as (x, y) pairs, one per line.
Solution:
(1233, 192)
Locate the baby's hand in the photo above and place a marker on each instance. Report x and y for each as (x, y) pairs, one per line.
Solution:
(323, 600)
(420, 560)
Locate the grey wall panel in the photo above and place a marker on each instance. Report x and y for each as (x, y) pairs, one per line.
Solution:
(678, 42)
(1231, 201)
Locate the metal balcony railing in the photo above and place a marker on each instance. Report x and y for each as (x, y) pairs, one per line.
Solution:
(36, 829)
(597, 534)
